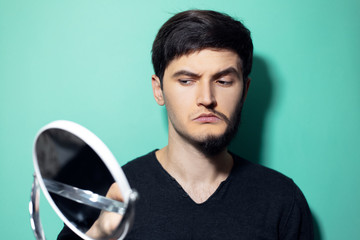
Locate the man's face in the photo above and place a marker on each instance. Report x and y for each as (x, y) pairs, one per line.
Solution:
(202, 92)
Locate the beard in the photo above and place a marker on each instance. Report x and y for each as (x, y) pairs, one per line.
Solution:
(212, 145)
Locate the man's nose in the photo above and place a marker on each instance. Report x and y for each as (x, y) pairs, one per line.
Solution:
(205, 95)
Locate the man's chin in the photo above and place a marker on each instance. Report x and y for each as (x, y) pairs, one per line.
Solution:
(212, 144)
(207, 137)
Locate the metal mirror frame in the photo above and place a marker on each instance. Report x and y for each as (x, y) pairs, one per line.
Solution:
(110, 162)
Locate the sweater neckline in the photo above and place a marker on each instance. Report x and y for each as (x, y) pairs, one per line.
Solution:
(216, 195)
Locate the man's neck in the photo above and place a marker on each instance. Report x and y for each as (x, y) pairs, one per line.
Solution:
(198, 174)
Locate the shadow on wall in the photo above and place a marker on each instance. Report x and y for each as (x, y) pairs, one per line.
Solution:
(317, 232)
(248, 142)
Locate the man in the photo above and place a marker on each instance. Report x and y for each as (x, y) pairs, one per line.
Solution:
(194, 188)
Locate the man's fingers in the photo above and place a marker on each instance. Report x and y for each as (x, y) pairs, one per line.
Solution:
(114, 193)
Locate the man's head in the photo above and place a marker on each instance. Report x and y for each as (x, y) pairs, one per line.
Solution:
(194, 30)
(202, 60)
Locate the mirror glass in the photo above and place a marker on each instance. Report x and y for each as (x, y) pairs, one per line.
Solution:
(76, 179)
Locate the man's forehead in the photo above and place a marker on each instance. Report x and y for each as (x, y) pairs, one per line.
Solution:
(208, 59)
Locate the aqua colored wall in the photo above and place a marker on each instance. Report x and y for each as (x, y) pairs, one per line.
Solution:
(89, 62)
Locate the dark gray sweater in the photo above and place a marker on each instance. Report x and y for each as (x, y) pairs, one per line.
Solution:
(254, 202)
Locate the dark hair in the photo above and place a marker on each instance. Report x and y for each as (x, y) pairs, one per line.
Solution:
(195, 30)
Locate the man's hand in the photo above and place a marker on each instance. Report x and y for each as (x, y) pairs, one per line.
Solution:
(107, 222)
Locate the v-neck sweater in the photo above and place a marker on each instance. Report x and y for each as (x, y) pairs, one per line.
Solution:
(254, 202)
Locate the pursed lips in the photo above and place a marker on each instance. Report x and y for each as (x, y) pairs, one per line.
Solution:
(207, 118)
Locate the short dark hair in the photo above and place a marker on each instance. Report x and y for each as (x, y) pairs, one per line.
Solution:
(195, 30)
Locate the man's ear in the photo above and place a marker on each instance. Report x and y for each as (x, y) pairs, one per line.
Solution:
(246, 87)
(157, 91)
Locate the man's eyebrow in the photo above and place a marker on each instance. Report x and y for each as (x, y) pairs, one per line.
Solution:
(185, 73)
(227, 71)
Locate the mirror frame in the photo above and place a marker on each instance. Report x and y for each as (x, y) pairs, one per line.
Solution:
(102, 151)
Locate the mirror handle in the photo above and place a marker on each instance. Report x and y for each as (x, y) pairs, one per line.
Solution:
(34, 211)
(84, 196)
(128, 218)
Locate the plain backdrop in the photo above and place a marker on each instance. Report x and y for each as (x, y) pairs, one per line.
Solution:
(90, 62)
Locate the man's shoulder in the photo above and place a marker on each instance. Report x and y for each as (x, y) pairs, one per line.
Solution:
(140, 161)
(255, 182)
(266, 191)
(262, 178)
(140, 165)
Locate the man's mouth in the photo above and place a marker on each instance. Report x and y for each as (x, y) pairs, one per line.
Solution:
(207, 118)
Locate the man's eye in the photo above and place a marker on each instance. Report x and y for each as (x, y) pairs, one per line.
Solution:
(185, 81)
(224, 82)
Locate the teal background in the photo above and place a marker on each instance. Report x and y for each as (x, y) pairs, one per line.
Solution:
(89, 62)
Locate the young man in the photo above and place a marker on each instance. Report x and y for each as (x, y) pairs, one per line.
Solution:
(194, 188)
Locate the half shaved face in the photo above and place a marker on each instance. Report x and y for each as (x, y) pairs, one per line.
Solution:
(203, 94)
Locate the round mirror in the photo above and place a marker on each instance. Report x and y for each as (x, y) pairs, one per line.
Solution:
(75, 171)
